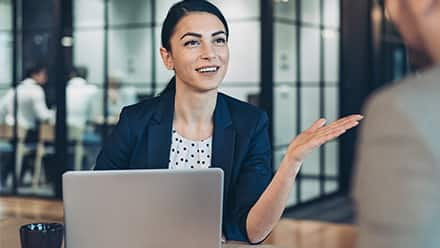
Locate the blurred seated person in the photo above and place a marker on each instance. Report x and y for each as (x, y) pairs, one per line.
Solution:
(31, 101)
(32, 108)
(80, 98)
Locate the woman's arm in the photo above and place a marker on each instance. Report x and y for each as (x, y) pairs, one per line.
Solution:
(266, 212)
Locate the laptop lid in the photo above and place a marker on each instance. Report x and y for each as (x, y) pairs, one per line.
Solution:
(143, 208)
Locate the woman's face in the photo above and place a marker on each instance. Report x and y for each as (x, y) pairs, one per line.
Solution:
(199, 52)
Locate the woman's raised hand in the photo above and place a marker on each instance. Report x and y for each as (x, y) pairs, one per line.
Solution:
(318, 134)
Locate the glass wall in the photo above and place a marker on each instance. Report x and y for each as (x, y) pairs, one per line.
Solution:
(117, 43)
(115, 53)
(306, 86)
(6, 46)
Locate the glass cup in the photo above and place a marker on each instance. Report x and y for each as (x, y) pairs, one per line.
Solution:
(41, 235)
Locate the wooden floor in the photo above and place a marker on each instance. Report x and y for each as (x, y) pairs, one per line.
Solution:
(288, 233)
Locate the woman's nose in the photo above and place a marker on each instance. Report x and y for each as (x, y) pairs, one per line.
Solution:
(208, 52)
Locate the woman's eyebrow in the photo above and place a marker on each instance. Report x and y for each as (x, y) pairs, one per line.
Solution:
(200, 36)
(191, 34)
(218, 32)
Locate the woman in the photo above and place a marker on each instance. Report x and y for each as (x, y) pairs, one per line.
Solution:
(192, 125)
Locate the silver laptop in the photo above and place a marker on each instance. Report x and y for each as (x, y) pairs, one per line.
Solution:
(143, 208)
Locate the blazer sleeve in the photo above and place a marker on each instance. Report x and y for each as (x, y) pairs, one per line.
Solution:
(116, 152)
(255, 175)
(396, 183)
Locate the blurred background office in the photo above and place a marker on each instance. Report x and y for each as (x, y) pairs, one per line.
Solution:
(297, 59)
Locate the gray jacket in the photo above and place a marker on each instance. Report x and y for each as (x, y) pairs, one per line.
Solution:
(397, 182)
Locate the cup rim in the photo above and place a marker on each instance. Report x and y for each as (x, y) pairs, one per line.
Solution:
(53, 227)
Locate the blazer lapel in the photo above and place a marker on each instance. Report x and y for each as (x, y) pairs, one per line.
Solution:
(159, 132)
(223, 144)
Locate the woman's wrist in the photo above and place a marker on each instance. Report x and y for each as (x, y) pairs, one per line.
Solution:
(292, 165)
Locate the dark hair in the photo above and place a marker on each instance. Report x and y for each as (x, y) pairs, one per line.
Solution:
(177, 12)
(381, 3)
(34, 69)
(80, 71)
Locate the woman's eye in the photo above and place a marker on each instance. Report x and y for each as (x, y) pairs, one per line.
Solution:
(220, 41)
(191, 43)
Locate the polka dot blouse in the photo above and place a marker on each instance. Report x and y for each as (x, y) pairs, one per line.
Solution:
(186, 154)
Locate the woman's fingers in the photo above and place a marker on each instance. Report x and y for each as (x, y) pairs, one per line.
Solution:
(317, 124)
(345, 123)
(343, 126)
(337, 131)
(319, 134)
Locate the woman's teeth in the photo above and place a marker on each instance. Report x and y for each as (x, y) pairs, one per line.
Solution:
(208, 69)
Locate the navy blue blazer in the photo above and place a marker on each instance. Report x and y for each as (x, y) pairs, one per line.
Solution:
(240, 146)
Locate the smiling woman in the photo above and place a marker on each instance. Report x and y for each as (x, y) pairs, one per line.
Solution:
(192, 125)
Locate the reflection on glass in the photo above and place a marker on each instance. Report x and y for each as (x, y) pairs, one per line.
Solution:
(331, 55)
(285, 9)
(285, 114)
(309, 189)
(332, 158)
(236, 10)
(331, 105)
(6, 149)
(309, 106)
(88, 51)
(311, 164)
(88, 13)
(5, 15)
(310, 10)
(130, 55)
(285, 53)
(310, 55)
(331, 187)
(244, 46)
(309, 114)
(126, 12)
(332, 13)
(239, 9)
(5, 59)
(162, 8)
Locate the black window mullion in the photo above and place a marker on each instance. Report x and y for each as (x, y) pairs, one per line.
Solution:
(298, 92)
(15, 179)
(267, 75)
(105, 110)
(153, 48)
(321, 97)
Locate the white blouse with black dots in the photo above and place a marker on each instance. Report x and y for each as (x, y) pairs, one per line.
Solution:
(187, 154)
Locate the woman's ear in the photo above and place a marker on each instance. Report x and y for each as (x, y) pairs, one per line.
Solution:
(166, 58)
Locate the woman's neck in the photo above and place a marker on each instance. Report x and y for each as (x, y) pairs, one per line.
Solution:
(194, 111)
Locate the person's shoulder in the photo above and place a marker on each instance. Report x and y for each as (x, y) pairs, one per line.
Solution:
(414, 90)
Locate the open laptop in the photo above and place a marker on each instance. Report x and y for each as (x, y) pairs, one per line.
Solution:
(143, 208)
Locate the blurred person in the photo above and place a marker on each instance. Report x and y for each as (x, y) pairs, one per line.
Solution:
(30, 98)
(119, 95)
(398, 160)
(191, 125)
(80, 98)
